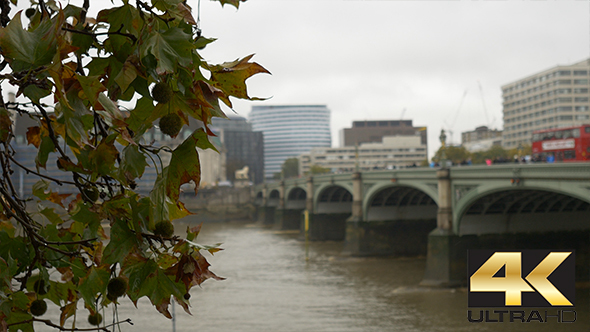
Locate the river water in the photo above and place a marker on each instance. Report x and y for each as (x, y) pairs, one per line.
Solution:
(270, 286)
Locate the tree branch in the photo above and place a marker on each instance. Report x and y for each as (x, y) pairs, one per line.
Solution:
(93, 34)
(61, 328)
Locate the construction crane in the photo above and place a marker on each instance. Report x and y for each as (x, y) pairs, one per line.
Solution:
(450, 127)
(485, 110)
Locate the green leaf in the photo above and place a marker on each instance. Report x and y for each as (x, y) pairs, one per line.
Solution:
(124, 19)
(14, 248)
(123, 242)
(163, 288)
(45, 148)
(171, 48)
(52, 216)
(41, 189)
(91, 86)
(235, 3)
(103, 157)
(140, 213)
(112, 111)
(36, 93)
(133, 162)
(74, 114)
(95, 282)
(128, 74)
(137, 120)
(159, 211)
(27, 50)
(138, 269)
(231, 77)
(184, 164)
(18, 316)
(81, 213)
(82, 41)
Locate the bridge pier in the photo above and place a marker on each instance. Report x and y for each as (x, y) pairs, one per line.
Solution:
(326, 226)
(266, 215)
(287, 219)
(389, 237)
(447, 252)
(354, 232)
(446, 261)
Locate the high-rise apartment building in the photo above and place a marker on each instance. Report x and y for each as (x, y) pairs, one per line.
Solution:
(554, 98)
(290, 130)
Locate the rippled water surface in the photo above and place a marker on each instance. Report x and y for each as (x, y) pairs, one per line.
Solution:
(271, 287)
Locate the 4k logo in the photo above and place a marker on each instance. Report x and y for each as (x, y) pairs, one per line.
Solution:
(527, 278)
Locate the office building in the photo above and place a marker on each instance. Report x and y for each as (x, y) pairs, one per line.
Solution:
(481, 139)
(242, 146)
(553, 98)
(391, 153)
(373, 131)
(480, 133)
(290, 130)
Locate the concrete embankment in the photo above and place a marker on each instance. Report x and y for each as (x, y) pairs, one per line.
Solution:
(220, 204)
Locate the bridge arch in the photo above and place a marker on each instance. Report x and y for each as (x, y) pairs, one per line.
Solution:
(390, 201)
(295, 198)
(259, 198)
(521, 210)
(333, 198)
(273, 198)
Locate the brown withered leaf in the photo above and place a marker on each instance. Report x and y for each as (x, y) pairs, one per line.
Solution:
(34, 136)
(67, 311)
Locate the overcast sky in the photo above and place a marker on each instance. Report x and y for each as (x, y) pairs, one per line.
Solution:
(371, 59)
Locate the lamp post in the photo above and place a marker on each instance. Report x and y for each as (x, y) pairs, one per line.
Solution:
(443, 140)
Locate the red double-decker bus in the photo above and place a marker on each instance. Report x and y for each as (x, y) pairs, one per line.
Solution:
(562, 144)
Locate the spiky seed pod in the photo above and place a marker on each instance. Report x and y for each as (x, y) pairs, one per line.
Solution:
(40, 287)
(116, 287)
(91, 193)
(164, 229)
(162, 93)
(38, 308)
(30, 12)
(111, 298)
(95, 319)
(170, 124)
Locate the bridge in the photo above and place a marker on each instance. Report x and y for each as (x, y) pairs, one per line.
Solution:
(440, 213)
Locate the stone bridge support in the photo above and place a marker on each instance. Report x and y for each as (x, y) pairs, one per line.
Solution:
(266, 210)
(354, 230)
(447, 252)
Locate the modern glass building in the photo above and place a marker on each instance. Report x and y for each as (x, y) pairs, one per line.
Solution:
(290, 130)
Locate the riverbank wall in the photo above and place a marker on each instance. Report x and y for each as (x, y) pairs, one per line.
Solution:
(220, 204)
